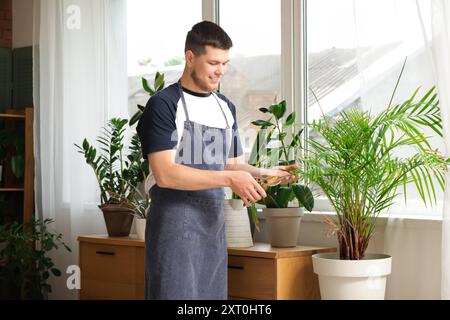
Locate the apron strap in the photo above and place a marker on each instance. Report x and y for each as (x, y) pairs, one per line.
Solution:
(224, 115)
(180, 89)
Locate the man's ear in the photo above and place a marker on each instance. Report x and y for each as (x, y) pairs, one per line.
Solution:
(189, 56)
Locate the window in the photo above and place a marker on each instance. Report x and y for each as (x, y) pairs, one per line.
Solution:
(253, 78)
(355, 51)
(156, 36)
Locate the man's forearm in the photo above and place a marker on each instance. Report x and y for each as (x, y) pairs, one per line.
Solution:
(182, 177)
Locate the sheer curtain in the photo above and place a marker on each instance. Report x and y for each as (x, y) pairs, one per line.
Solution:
(80, 55)
(440, 50)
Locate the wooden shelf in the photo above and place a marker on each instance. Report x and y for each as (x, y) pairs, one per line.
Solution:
(22, 189)
(12, 116)
(11, 189)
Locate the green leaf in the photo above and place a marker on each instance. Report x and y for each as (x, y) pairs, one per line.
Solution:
(159, 81)
(18, 166)
(147, 87)
(304, 196)
(56, 272)
(290, 120)
(283, 195)
(263, 110)
(135, 118)
(278, 110)
(262, 123)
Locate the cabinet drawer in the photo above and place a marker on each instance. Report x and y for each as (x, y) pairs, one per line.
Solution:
(250, 277)
(110, 263)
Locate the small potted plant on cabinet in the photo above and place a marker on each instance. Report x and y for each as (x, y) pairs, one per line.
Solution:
(117, 176)
(270, 149)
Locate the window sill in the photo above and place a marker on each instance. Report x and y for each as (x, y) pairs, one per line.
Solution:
(406, 220)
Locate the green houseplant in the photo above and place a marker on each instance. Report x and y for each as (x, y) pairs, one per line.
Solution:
(142, 201)
(118, 175)
(25, 265)
(274, 147)
(359, 162)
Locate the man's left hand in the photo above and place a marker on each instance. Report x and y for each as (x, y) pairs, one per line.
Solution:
(281, 171)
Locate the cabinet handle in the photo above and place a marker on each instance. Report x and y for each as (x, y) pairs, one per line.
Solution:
(235, 267)
(106, 253)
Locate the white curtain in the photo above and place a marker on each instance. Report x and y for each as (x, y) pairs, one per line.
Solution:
(80, 53)
(440, 49)
(387, 31)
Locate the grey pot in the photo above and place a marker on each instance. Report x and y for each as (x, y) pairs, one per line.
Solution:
(283, 225)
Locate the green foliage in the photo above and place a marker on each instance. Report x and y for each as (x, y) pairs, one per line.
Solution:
(158, 85)
(358, 160)
(25, 266)
(10, 139)
(265, 155)
(117, 175)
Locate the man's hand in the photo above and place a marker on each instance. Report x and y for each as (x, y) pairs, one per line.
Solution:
(245, 186)
(282, 171)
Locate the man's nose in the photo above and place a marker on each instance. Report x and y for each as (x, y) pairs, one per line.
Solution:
(220, 70)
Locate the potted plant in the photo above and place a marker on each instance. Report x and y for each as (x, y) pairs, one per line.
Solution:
(117, 175)
(359, 162)
(272, 148)
(25, 264)
(140, 201)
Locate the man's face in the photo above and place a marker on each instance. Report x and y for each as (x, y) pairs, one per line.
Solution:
(207, 69)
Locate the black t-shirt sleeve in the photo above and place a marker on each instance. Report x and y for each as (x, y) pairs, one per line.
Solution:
(236, 146)
(157, 128)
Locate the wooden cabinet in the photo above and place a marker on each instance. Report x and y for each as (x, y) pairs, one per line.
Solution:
(264, 272)
(17, 194)
(111, 267)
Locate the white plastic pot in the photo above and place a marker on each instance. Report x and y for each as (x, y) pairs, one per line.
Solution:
(283, 225)
(237, 224)
(140, 228)
(352, 279)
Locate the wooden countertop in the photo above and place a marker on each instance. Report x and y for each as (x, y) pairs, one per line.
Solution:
(131, 240)
(265, 250)
(259, 250)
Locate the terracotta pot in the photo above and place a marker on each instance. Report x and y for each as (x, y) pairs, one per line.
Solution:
(118, 219)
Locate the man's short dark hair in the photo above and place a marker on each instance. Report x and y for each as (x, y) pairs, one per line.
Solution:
(206, 33)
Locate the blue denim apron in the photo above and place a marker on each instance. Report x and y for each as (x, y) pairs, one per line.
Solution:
(186, 252)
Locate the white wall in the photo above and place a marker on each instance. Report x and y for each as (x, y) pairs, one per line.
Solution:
(22, 30)
(415, 247)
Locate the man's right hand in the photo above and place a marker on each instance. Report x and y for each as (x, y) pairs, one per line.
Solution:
(245, 186)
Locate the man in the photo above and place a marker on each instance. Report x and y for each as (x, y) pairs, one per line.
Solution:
(189, 134)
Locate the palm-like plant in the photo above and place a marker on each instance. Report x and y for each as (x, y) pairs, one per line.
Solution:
(355, 161)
